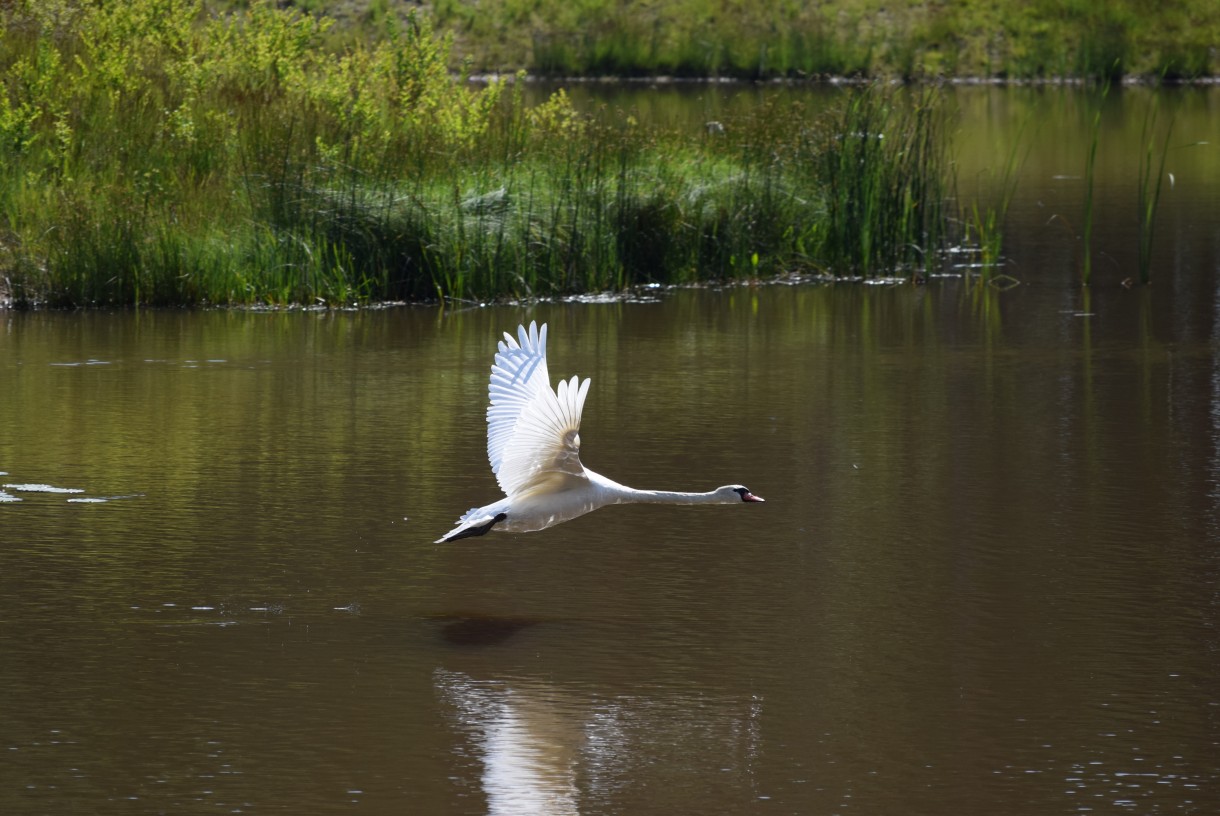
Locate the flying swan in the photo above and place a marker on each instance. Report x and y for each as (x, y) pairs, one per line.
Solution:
(533, 442)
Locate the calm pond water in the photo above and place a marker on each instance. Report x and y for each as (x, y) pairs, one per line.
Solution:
(986, 578)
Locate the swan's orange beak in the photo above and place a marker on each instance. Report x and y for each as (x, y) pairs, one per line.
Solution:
(751, 497)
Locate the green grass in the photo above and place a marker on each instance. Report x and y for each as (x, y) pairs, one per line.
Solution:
(770, 38)
(151, 153)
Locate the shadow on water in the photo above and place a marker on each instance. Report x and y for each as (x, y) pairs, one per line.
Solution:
(460, 629)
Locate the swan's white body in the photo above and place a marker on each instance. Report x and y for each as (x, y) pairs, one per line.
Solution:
(533, 443)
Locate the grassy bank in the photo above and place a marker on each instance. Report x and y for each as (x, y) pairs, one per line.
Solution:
(153, 153)
(782, 38)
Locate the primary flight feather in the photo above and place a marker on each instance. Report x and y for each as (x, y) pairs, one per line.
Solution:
(533, 444)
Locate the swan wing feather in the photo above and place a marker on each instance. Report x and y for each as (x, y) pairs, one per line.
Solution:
(533, 432)
(518, 374)
(544, 451)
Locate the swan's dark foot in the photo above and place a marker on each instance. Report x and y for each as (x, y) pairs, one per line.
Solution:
(482, 529)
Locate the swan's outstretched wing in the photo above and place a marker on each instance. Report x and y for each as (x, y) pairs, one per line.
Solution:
(518, 375)
(532, 431)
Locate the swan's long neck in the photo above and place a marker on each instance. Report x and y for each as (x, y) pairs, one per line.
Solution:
(621, 494)
(671, 497)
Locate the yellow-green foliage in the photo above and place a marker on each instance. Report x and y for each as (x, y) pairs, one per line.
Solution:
(155, 114)
(96, 64)
(556, 116)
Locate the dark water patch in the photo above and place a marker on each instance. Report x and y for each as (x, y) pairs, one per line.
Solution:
(481, 630)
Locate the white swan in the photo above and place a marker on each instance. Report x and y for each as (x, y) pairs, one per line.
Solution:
(533, 443)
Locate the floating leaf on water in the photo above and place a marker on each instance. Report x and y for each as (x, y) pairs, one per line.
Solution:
(1004, 282)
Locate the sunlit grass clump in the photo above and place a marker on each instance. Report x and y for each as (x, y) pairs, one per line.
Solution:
(153, 154)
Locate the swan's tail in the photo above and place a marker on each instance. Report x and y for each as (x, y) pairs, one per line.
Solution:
(472, 526)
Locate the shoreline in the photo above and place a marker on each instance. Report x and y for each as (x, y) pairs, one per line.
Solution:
(379, 175)
(1131, 80)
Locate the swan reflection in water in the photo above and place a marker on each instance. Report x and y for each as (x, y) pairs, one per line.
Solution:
(529, 746)
(544, 748)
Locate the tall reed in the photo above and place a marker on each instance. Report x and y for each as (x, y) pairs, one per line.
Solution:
(882, 164)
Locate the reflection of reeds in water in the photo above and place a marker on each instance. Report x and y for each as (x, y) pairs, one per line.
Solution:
(1150, 188)
(1086, 272)
(985, 223)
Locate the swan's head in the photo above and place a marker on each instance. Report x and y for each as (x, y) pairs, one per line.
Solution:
(736, 493)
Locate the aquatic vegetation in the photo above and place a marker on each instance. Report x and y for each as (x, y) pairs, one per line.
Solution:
(1149, 190)
(155, 154)
(884, 168)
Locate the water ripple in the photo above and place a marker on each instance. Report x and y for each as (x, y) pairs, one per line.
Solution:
(43, 488)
